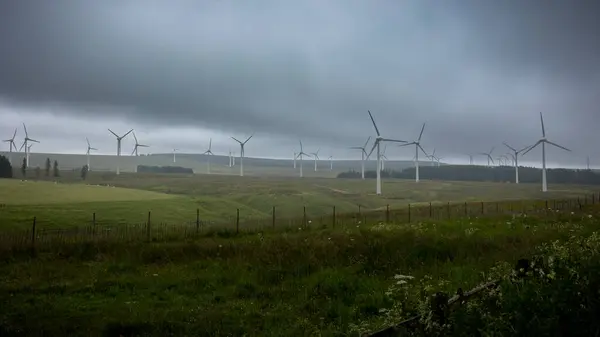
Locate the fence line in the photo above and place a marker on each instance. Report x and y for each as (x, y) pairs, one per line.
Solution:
(149, 230)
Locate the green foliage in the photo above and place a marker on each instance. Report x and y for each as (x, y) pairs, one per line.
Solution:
(48, 166)
(84, 172)
(6, 170)
(24, 168)
(56, 170)
(163, 169)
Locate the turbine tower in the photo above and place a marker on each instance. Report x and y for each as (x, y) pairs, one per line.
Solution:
(208, 153)
(377, 144)
(25, 143)
(515, 158)
(363, 155)
(174, 159)
(135, 148)
(294, 159)
(331, 163)
(384, 158)
(300, 154)
(11, 145)
(417, 144)
(489, 156)
(230, 158)
(242, 153)
(544, 141)
(119, 139)
(87, 153)
(29, 152)
(470, 159)
(431, 156)
(316, 156)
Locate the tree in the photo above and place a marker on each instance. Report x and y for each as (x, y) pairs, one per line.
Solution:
(84, 172)
(24, 168)
(48, 167)
(56, 171)
(5, 168)
(37, 172)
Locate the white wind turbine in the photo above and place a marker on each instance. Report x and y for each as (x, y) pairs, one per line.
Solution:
(242, 153)
(300, 154)
(376, 144)
(11, 145)
(544, 141)
(208, 153)
(363, 155)
(432, 157)
(25, 143)
(29, 152)
(331, 163)
(230, 158)
(489, 156)
(174, 151)
(316, 156)
(119, 139)
(417, 144)
(87, 153)
(470, 159)
(135, 148)
(294, 159)
(384, 158)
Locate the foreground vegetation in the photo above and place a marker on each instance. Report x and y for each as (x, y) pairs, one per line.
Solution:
(328, 282)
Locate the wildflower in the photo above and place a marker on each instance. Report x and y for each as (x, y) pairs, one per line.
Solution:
(309, 221)
(403, 277)
(401, 282)
(220, 246)
(328, 238)
(155, 275)
(590, 216)
(572, 213)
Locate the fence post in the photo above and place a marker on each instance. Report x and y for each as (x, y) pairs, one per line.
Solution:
(304, 218)
(333, 217)
(273, 220)
(593, 198)
(448, 209)
(387, 213)
(237, 221)
(94, 219)
(466, 209)
(33, 234)
(409, 213)
(359, 213)
(148, 228)
(197, 220)
(546, 204)
(482, 207)
(430, 210)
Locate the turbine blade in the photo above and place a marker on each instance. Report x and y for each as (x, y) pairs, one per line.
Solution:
(367, 142)
(111, 131)
(525, 148)
(236, 140)
(406, 144)
(559, 146)
(375, 125)
(25, 128)
(209, 144)
(356, 148)
(393, 140)
(300, 145)
(246, 141)
(33, 140)
(88, 141)
(134, 148)
(543, 129)
(532, 147)
(21, 148)
(373, 148)
(134, 137)
(492, 150)
(508, 146)
(128, 132)
(419, 145)
(14, 134)
(421, 134)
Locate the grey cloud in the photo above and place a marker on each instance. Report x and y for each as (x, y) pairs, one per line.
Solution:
(478, 72)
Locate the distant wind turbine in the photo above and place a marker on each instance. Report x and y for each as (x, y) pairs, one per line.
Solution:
(242, 153)
(544, 141)
(417, 144)
(87, 153)
(300, 154)
(25, 143)
(489, 156)
(135, 148)
(230, 158)
(384, 158)
(363, 155)
(11, 145)
(515, 158)
(208, 153)
(316, 156)
(119, 138)
(174, 151)
(377, 145)
(330, 163)
(470, 159)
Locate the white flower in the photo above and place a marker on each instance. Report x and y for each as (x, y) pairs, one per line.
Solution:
(220, 246)
(590, 216)
(401, 282)
(309, 221)
(572, 213)
(403, 277)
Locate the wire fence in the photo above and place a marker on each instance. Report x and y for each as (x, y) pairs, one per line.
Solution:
(40, 234)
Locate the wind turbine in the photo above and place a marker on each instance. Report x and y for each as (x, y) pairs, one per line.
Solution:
(470, 159)
(432, 157)
(11, 145)
(174, 159)
(135, 148)
(208, 153)
(242, 153)
(25, 143)
(300, 154)
(316, 156)
(87, 153)
(294, 159)
(376, 144)
(488, 155)
(438, 160)
(230, 158)
(363, 154)
(417, 144)
(331, 163)
(119, 138)
(544, 141)
(29, 152)
(383, 158)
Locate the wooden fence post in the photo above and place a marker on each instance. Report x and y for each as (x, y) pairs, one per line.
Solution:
(273, 220)
(593, 198)
(430, 210)
(148, 227)
(333, 217)
(448, 209)
(482, 207)
(387, 213)
(304, 218)
(197, 220)
(237, 221)
(409, 213)
(466, 209)
(33, 234)
(94, 219)
(359, 213)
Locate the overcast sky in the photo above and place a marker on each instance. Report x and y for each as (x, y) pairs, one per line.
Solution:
(180, 72)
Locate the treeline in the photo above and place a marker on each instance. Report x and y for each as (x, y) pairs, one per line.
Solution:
(6, 170)
(484, 173)
(163, 169)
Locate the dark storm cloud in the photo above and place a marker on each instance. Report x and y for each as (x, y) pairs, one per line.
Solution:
(477, 71)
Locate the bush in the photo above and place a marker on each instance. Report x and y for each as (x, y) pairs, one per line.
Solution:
(164, 169)
(6, 170)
